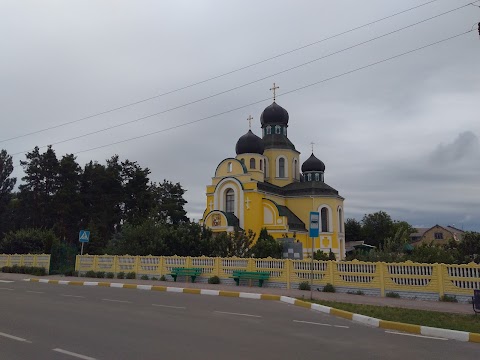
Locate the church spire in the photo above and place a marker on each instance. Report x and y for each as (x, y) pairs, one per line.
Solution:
(273, 89)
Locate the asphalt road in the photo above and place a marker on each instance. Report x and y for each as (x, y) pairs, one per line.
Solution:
(46, 321)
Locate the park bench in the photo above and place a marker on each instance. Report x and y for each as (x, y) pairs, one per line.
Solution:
(261, 276)
(476, 301)
(192, 272)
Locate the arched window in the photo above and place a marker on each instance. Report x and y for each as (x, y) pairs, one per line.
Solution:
(309, 177)
(266, 169)
(230, 201)
(295, 169)
(269, 129)
(317, 177)
(229, 167)
(340, 221)
(324, 218)
(281, 168)
(252, 163)
(278, 129)
(261, 165)
(285, 131)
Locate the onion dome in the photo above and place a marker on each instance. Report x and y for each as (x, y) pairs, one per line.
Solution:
(274, 115)
(313, 164)
(249, 143)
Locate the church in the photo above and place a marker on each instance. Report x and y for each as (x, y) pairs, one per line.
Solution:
(263, 187)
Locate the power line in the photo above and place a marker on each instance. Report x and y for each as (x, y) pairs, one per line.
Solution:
(249, 83)
(286, 93)
(219, 76)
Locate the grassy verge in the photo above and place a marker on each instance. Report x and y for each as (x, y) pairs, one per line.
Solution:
(470, 323)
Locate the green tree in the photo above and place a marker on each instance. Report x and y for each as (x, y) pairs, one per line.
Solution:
(170, 202)
(7, 184)
(267, 246)
(353, 230)
(469, 247)
(28, 241)
(377, 227)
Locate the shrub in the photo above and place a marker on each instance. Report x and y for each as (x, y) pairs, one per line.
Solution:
(154, 278)
(32, 270)
(90, 274)
(121, 275)
(71, 272)
(131, 275)
(448, 298)
(163, 278)
(392, 294)
(38, 271)
(109, 275)
(214, 280)
(329, 288)
(144, 277)
(304, 285)
(100, 274)
(358, 292)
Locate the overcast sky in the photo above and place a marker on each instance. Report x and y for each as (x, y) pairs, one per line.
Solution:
(401, 136)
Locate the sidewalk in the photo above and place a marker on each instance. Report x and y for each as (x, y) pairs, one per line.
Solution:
(340, 297)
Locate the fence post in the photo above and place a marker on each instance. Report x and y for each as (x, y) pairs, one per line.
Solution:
(9, 260)
(441, 285)
(250, 264)
(22, 259)
(216, 266)
(381, 266)
(332, 269)
(95, 263)
(287, 264)
(137, 265)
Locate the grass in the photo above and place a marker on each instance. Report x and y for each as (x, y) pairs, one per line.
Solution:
(470, 323)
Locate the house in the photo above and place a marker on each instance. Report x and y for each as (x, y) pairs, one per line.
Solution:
(438, 235)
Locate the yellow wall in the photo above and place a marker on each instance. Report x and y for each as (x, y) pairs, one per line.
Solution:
(272, 155)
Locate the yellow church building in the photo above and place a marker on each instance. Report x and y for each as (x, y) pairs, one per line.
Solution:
(263, 187)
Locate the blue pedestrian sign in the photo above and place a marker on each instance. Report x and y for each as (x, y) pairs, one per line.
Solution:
(314, 224)
(84, 236)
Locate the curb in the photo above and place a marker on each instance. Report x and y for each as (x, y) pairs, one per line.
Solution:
(358, 318)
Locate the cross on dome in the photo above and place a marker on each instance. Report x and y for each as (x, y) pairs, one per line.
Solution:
(273, 89)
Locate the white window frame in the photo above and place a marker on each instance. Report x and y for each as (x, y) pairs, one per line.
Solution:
(277, 170)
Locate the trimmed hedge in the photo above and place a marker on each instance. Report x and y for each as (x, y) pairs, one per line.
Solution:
(31, 270)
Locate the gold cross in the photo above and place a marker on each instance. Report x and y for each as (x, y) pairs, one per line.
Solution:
(273, 89)
(250, 118)
(312, 143)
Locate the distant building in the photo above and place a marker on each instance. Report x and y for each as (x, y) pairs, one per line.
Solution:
(438, 235)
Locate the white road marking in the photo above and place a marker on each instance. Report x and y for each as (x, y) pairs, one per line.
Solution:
(120, 301)
(74, 296)
(14, 337)
(169, 306)
(80, 356)
(6, 281)
(415, 335)
(6, 289)
(35, 292)
(238, 314)
(312, 323)
(342, 326)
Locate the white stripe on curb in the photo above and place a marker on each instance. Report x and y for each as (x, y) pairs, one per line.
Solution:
(321, 308)
(367, 320)
(209, 292)
(144, 287)
(63, 282)
(444, 333)
(250, 296)
(90, 283)
(174, 289)
(287, 300)
(116, 285)
(43, 281)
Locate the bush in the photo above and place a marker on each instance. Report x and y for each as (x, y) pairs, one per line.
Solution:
(144, 277)
(448, 298)
(304, 285)
(154, 278)
(358, 292)
(121, 275)
(32, 270)
(163, 278)
(329, 288)
(392, 294)
(100, 274)
(214, 280)
(90, 274)
(109, 275)
(131, 275)
(70, 272)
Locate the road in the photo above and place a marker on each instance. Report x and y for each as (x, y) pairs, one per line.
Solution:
(46, 321)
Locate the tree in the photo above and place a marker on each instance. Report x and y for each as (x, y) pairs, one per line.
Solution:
(28, 241)
(267, 246)
(469, 247)
(7, 184)
(353, 230)
(170, 202)
(377, 227)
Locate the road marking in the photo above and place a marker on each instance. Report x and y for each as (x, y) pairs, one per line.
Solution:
(80, 356)
(310, 322)
(6, 289)
(169, 306)
(415, 335)
(342, 326)
(6, 281)
(35, 292)
(238, 314)
(120, 301)
(14, 337)
(74, 296)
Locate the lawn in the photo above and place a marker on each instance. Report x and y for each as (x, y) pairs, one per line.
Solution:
(470, 323)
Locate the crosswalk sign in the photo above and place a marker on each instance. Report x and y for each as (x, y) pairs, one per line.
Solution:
(84, 236)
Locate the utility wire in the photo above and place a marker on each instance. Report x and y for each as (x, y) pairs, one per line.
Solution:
(218, 76)
(286, 93)
(249, 83)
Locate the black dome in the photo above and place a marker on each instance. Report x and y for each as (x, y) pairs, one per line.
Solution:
(249, 143)
(274, 115)
(313, 164)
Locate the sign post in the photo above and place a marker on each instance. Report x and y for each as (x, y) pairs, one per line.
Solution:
(313, 232)
(83, 237)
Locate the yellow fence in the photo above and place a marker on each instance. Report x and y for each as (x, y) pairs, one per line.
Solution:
(39, 260)
(408, 279)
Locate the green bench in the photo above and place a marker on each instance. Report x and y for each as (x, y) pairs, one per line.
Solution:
(192, 272)
(261, 276)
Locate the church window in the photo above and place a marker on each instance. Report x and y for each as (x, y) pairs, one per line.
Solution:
(278, 129)
(281, 167)
(295, 169)
(285, 131)
(229, 167)
(252, 163)
(324, 217)
(340, 221)
(317, 177)
(230, 201)
(261, 165)
(309, 177)
(269, 130)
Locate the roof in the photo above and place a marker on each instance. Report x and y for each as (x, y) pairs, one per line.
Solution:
(232, 220)
(277, 141)
(299, 188)
(294, 223)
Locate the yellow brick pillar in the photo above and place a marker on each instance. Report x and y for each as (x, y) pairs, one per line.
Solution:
(216, 266)
(441, 284)
(95, 263)
(251, 264)
(331, 270)
(288, 269)
(161, 263)
(137, 265)
(381, 270)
